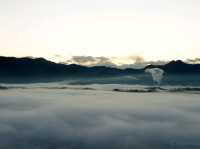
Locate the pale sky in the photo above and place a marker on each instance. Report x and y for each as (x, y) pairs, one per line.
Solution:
(153, 29)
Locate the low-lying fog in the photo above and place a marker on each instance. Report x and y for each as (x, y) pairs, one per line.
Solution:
(85, 119)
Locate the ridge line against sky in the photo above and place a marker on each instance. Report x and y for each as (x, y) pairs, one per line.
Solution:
(154, 30)
(117, 62)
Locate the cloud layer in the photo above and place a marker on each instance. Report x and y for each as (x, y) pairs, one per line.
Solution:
(121, 62)
(133, 61)
(193, 61)
(91, 61)
(67, 119)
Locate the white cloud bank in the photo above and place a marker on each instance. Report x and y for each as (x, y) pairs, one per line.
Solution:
(60, 119)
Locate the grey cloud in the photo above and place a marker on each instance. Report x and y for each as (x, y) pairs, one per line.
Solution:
(143, 64)
(137, 61)
(58, 56)
(91, 61)
(82, 59)
(193, 61)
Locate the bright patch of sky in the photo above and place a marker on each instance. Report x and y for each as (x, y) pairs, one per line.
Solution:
(152, 29)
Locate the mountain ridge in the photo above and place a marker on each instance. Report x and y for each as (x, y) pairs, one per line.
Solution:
(178, 67)
(40, 67)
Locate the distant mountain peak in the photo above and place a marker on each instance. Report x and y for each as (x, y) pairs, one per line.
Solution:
(176, 62)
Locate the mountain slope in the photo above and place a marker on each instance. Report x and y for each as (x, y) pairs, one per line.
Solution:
(40, 67)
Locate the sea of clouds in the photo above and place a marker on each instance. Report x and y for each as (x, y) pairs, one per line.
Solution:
(77, 119)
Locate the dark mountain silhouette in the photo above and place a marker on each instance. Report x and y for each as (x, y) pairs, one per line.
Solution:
(178, 67)
(12, 67)
(40, 67)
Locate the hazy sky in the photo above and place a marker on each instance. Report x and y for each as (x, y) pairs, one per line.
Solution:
(153, 29)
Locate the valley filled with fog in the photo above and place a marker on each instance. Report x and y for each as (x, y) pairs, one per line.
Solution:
(45, 116)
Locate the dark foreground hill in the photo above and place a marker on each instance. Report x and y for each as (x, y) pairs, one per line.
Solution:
(11, 67)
